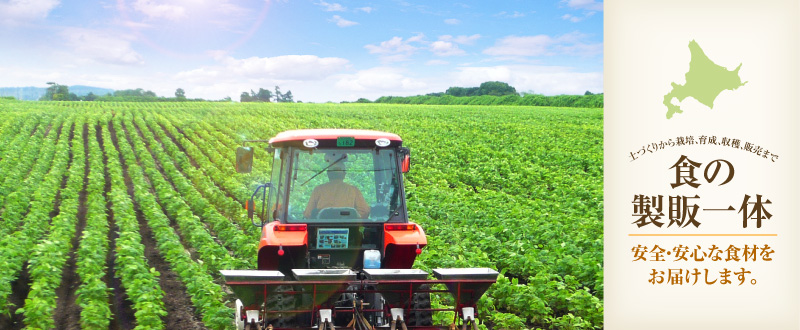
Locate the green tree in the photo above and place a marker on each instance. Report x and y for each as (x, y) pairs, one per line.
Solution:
(496, 88)
(264, 95)
(287, 97)
(180, 95)
(278, 95)
(55, 92)
(245, 97)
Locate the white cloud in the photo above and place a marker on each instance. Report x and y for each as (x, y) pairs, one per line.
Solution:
(584, 4)
(366, 9)
(463, 40)
(417, 38)
(521, 46)
(286, 68)
(573, 19)
(154, 9)
(136, 25)
(452, 21)
(576, 19)
(341, 22)
(378, 80)
(100, 46)
(548, 80)
(222, 13)
(331, 6)
(16, 11)
(445, 48)
(505, 14)
(396, 49)
(580, 49)
(541, 45)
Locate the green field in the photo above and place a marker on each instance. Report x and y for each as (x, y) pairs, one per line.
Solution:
(120, 215)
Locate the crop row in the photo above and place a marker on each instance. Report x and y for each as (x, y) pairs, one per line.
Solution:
(13, 133)
(16, 247)
(231, 236)
(93, 294)
(21, 157)
(139, 280)
(232, 189)
(205, 294)
(191, 226)
(47, 259)
(17, 202)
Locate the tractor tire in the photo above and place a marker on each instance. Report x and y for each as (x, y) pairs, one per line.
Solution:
(420, 300)
(282, 302)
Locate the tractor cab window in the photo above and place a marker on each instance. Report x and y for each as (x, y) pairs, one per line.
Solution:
(278, 183)
(336, 185)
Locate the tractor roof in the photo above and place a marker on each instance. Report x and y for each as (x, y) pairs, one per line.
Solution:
(331, 134)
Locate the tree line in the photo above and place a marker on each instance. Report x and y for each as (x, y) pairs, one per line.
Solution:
(58, 92)
(265, 95)
(494, 93)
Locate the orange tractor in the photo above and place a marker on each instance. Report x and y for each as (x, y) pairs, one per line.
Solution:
(337, 247)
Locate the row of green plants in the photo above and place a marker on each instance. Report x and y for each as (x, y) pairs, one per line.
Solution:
(49, 257)
(15, 124)
(221, 174)
(139, 280)
(93, 294)
(21, 156)
(206, 295)
(203, 196)
(16, 246)
(192, 229)
(17, 200)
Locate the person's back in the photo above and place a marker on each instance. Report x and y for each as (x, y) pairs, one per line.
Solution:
(336, 193)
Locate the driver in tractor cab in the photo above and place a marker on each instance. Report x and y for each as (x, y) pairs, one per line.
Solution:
(336, 193)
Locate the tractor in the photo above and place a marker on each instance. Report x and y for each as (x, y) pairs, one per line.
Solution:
(337, 247)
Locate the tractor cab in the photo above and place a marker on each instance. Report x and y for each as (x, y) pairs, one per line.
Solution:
(335, 200)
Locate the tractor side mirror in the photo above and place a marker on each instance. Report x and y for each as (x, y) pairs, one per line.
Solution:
(244, 159)
(405, 165)
(250, 205)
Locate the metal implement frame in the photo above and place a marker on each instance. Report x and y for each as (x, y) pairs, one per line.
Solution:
(463, 287)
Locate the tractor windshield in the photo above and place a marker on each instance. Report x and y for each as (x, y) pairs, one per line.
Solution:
(335, 185)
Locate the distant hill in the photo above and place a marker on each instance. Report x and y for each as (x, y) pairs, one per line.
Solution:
(34, 93)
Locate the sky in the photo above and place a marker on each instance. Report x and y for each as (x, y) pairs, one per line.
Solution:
(321, 50)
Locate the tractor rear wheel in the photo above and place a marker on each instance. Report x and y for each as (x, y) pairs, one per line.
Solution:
(281, 302)
(420, 300)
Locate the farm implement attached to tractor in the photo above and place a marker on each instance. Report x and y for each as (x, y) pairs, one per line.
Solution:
(336, 250)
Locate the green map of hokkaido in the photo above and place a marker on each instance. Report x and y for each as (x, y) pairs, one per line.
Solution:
(704, 81)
